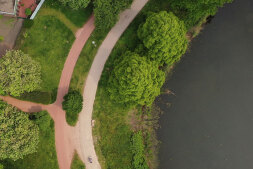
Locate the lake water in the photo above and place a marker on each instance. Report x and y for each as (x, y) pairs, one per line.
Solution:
(209, 124)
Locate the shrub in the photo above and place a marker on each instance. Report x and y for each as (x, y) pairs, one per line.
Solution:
(19, 136)
(43, 120)
(19, 73)
(1, 38)
(107, 11)
(164, 35)
(76, 4)
(135, 80)
(139, 161)
(72, 104)
(28, 11)
(194, 11)
(1, 166)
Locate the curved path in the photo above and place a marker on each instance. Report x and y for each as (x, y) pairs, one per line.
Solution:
(66, 137)
(85, 132)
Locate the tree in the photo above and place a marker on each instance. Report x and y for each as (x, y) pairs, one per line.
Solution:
(19, 73)
(76, 4)
(164, 35)
(135, 80)
(72, 104)
(193, 11)
(19, 136)
(107, 11)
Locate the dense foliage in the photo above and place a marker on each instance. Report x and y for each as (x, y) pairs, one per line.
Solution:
(107, 11)
(19, 136)
(76, 4)
(135, 80)
(1, 166)
(19, 73)
(164, 35)
(43, 120)
(194, 11)
(72, 104)
(139, 161)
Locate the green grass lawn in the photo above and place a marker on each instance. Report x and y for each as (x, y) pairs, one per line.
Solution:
(44, 158)
(48, 40)
(77, 163)
(84, 61)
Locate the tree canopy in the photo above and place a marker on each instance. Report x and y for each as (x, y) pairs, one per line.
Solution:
(19, 136)
(19, 73)
(107, 11)
(164, 35)
(193, 11)
(76, 4)
(135, 80)
(72, 104)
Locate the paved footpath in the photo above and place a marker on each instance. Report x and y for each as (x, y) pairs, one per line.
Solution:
(67, 138)
(85, 117)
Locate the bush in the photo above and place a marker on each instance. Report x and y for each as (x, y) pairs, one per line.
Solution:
(43, 120)
(76, 4)
(28, 11)
(135, 80)
(72, 104)
(139, 161)
(19, 73)
(106, 12)
(193, 12)
(164, 35)
(19, 136)
(1, 166)
(1, 38)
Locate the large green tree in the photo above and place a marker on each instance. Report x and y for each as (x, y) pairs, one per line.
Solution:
(164, 35)
(194, 11)
(19, 136)
(76, 4)
(135, 80)
(19, 73)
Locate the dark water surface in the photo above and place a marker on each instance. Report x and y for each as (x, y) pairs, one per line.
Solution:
(210, 122)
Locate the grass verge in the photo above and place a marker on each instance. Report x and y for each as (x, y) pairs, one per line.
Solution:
(77, 163)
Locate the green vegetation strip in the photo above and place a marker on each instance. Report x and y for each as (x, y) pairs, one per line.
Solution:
(60, 16)
(77, 163)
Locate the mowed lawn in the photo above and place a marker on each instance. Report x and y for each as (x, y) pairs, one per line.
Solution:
(48, 40)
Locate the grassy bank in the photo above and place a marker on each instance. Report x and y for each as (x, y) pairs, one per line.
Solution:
(45, 157)
(114, 124)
